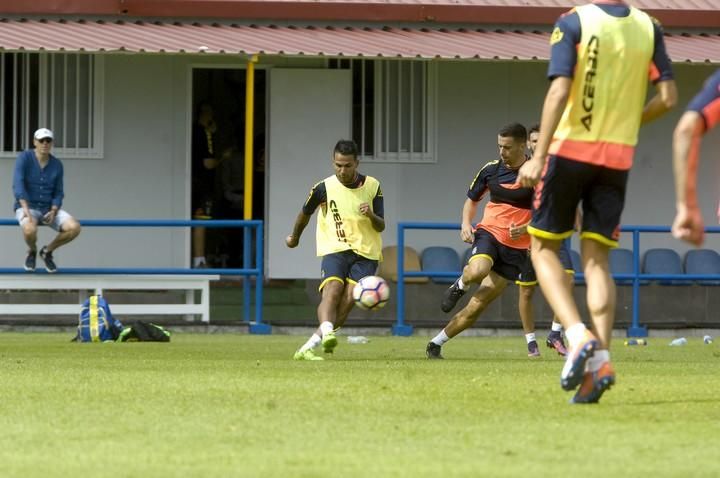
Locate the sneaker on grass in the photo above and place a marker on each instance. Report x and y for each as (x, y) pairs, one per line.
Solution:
(306, 355)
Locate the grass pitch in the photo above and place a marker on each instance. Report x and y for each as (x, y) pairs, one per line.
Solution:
(237, 405)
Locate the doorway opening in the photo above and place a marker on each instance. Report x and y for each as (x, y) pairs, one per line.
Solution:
(218, 161)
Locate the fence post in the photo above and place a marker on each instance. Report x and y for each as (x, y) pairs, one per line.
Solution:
(635, 329)
(258, 327)
(400, 328)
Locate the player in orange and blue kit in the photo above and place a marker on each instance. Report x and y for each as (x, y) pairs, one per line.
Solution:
(500, 240)
(702, 115)
(601, 55)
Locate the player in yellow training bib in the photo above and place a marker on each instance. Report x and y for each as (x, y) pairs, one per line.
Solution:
(349, 222)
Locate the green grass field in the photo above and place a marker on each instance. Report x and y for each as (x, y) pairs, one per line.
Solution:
(236, 405)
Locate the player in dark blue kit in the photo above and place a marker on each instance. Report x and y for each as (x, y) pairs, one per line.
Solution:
(702, 115)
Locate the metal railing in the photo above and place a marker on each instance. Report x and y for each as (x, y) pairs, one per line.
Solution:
(635, 329)
(257, 327)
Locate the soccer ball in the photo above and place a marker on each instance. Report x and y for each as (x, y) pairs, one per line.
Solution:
(371, 292)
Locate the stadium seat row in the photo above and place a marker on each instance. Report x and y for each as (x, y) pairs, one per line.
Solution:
(654, 261)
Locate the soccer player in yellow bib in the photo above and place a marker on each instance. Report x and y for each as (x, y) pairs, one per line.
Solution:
(601, 55)
(349, 224)
(528, 281)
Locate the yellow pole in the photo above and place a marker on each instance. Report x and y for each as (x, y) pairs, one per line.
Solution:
(249, 131)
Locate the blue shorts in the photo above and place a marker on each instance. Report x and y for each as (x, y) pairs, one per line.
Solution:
(564, 184)
(507, 262)
(527, 276)
(346, 266)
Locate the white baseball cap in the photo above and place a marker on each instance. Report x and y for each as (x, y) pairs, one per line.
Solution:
(43, 133)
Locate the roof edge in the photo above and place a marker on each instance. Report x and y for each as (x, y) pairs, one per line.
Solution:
(334, 11)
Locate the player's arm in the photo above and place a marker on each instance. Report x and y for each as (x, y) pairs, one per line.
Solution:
(318, 194)
(516, 232)
(553, 107)
(563, 58)
(376, 213)
(467, 231)
(664, 100)
(688, 224)
(661, 75)
(478, 189)
(301, 221)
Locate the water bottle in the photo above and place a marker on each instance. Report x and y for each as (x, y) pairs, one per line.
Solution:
(636, 342)
(707, 340)
(678, 342)
(357, 339)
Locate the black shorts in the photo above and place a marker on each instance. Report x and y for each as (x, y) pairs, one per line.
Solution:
(564, 184)
(346, 266)
(506, 261)
(528, 277)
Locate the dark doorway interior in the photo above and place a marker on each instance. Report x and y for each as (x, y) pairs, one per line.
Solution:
(218, 183)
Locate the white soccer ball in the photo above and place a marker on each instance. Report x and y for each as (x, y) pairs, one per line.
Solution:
(371, 292)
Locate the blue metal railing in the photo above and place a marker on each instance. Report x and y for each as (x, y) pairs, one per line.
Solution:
(635, 329)
(257, 327)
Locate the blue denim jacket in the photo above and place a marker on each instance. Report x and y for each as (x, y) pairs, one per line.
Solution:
(41, 188)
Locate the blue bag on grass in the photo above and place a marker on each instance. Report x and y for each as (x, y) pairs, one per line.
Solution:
(96, 323)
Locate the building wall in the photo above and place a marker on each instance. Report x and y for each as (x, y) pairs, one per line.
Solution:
(476, 99)
(144, 171)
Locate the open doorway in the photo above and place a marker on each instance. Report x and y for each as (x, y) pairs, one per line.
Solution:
(217, 161)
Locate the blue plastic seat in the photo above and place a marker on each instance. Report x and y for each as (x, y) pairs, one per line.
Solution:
(441, 259)
(664, 261)
(621, 262)
(703, 261)
(388, 266)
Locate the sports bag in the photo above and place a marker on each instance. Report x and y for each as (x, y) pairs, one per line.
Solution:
(96, 322)
(144, 332)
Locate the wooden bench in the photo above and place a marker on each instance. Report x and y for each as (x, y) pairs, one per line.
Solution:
(99, 283)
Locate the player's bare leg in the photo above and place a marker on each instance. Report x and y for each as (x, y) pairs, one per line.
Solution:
(552, 279)
(327, 312)
(474, 272)
(490, 289)
(527, 317)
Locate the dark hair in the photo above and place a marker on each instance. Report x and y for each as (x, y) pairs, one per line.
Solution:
(515, 131)
(202, 105)
(346, 147)
(534, 129)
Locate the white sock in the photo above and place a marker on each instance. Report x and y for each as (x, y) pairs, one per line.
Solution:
(461, 284)
(556, 326)
(312, 342)
(530, 337)
(440, 338)
(575, 333)
(596, 361)
(198, 260)
(326, 328)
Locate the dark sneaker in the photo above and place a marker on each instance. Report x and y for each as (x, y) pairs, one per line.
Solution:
(574, 368)
(594, 384)
(433, 351)
(533, 349)
(48, 260)
(555, 341)
(451, 297)
(30, 261)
